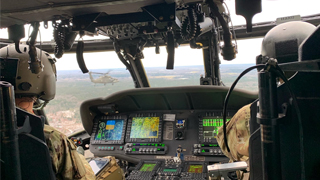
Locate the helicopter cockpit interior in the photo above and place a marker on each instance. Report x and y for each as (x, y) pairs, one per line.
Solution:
(167, 132)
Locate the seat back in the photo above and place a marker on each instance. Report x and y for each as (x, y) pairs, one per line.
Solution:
(255, 157)
(294, 163)
(35, 158)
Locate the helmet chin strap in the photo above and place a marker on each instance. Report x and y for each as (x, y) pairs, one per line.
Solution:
(40, 105)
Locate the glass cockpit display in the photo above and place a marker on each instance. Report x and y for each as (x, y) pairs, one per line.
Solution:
(109, 130)
(211, 126)
(148, 167)
(145, 127)
(195, 168)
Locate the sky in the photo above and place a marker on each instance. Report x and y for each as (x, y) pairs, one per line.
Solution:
(185, 56)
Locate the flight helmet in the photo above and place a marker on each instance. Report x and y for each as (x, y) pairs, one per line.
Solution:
(15, 70)
(282, 42)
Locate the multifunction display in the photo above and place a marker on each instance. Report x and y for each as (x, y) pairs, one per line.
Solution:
(195, 168)
(145, 127)
(148, 167)
(110, 130)
(211, 127)
(208, 128)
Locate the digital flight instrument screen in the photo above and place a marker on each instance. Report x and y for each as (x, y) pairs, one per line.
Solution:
(109, 130)
(195, 168)
(145, 127)
(147, 167)
(211, 126)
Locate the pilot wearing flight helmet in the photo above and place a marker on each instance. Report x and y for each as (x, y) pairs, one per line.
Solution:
(67, 163)
(282, 43)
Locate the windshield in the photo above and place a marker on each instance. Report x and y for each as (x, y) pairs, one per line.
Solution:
(273, 9)
(73, 87)
(109, 75)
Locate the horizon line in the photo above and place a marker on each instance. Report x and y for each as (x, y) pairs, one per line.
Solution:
(153, 67)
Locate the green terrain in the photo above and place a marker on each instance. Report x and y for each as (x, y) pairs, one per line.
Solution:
(74, 87)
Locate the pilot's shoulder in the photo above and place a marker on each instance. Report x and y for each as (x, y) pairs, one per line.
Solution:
(245, 108)
(52, 133)
(49, 129)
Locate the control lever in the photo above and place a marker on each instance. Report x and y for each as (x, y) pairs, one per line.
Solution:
(223, 170)
(179, 156)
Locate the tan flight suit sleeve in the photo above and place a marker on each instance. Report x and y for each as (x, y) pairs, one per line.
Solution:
(238, 134)
(67, 163)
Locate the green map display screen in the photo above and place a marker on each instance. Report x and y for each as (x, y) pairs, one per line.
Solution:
(145, 127)
(110, 130)
(195, 168)
(147, 167)
(211, 126)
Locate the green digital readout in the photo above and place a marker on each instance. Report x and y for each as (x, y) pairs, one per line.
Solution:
(147, 167)
(193, 168)
(213, 122)
(211, 126)
(169, 170)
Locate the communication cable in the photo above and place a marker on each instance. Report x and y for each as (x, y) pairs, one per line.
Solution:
(227, 100)
(280, 73)
(277, 70)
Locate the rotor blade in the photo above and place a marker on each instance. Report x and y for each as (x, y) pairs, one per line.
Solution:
(108, 71)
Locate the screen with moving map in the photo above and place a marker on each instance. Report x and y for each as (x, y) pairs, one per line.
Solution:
(145, 127)
(195, 168)
(211, 126)
(109, 130)
(147, 167)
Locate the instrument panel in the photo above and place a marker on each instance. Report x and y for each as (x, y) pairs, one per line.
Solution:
(160, 123)
(170, 133)
(159, 135)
